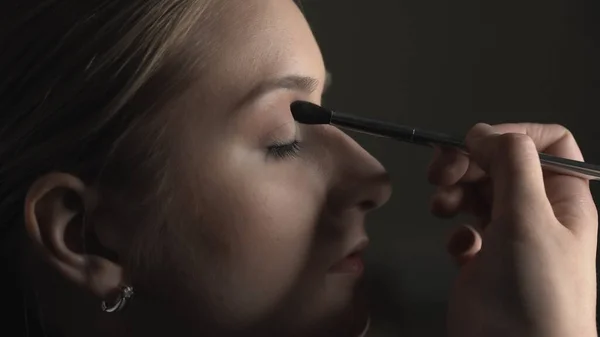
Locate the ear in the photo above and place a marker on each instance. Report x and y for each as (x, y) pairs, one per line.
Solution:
(56, 207)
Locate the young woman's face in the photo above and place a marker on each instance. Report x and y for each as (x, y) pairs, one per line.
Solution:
(266, 209)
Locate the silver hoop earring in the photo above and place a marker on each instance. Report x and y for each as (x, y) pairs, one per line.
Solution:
(125, 294)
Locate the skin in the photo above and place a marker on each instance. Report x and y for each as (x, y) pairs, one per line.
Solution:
(528, 262)
(248, 239)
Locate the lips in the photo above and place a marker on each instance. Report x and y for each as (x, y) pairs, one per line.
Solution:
(353, 262)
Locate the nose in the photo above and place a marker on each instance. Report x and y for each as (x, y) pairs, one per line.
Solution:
(361, 182)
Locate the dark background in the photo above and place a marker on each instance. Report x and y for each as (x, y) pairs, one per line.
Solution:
(446, 65)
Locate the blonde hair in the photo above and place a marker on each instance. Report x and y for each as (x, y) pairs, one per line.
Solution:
(76, 77)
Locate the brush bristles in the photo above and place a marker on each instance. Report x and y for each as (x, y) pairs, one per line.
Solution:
(309, 113)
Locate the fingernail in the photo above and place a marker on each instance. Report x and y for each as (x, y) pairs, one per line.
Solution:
(461, 241)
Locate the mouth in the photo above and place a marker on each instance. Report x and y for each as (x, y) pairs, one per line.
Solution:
(353, 262)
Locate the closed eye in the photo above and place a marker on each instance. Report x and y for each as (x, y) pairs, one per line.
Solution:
(285, 150)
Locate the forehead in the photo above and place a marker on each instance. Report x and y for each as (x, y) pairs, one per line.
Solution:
(252, 40)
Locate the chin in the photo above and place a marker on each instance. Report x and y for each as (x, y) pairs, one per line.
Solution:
(340, 311)
(353, 324)
(360, 315)
(353, 317)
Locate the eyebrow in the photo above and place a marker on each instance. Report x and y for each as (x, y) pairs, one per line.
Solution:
(304, 84)
(293, 82)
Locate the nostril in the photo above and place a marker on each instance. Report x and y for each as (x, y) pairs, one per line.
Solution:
(375, 194)
(368, 205)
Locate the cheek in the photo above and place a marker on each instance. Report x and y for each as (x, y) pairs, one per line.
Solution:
(265, 221)
(261, 225)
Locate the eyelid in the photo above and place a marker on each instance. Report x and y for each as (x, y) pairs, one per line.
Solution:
(272, 138)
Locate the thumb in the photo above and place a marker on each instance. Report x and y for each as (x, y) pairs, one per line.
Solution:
(513, 164)
(464, 244)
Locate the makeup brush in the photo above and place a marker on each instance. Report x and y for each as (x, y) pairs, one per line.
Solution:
(309, 113)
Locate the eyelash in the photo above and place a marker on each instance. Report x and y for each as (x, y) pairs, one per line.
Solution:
(285, 150)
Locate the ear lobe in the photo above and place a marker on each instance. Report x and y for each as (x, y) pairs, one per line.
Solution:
(56, 206)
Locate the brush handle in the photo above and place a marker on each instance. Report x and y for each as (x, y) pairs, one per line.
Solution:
(549, 163)
(570, 167)
(423, 137)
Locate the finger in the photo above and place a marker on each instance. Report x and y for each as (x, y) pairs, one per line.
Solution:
(513, 164)
(569, 196)
(474, 199)
(450, 166)
(474, 173)
(447, 167)
(545, 136)
(448, 201)
(464, 244)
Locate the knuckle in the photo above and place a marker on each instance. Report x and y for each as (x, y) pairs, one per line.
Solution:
(564, 131)
(559, 127)
(481, 125)
(514, 144)
(515, 141)
(479, 130)
(569, 146)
